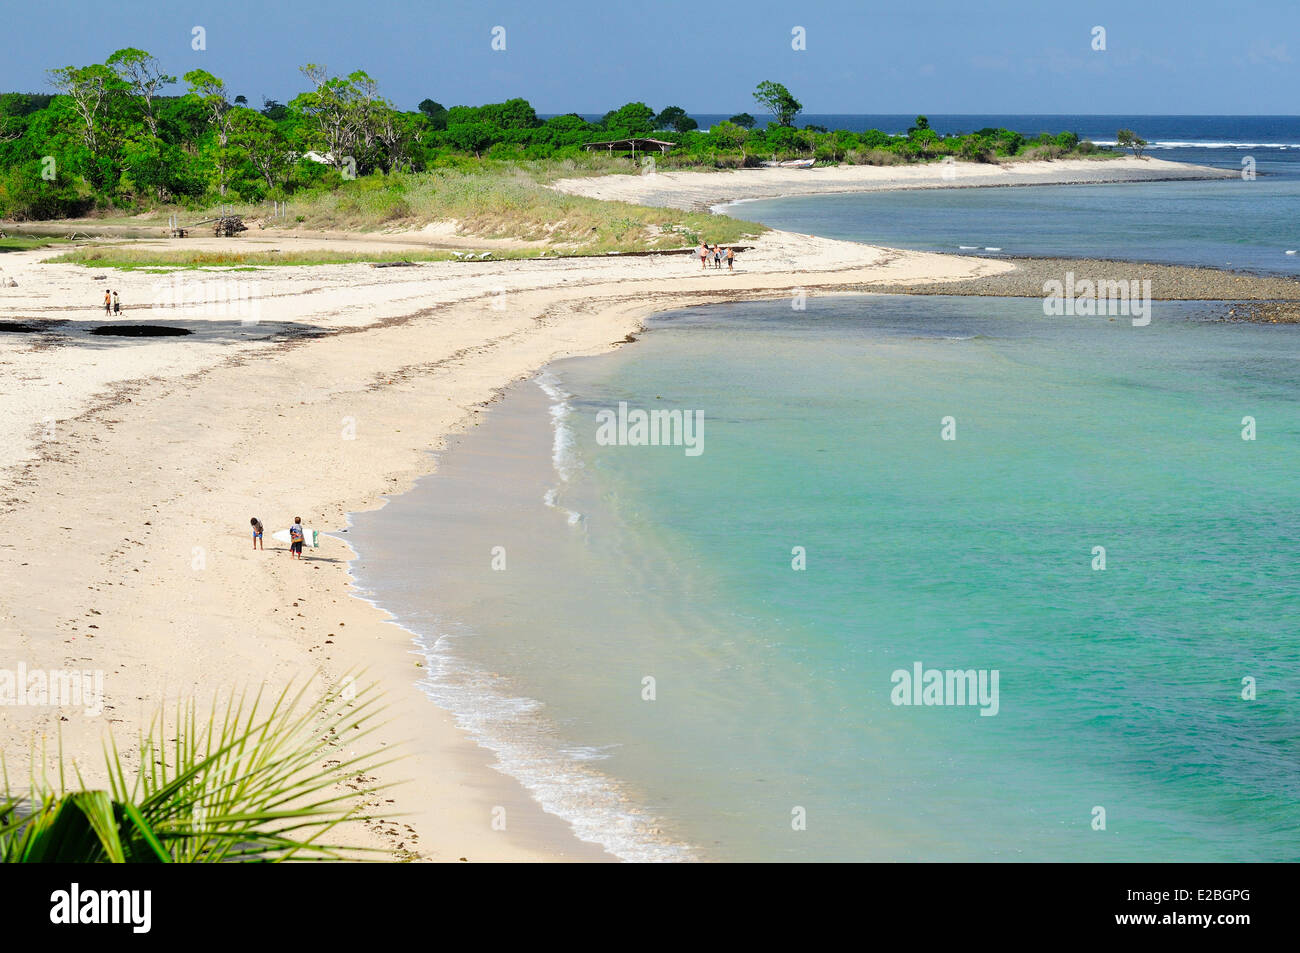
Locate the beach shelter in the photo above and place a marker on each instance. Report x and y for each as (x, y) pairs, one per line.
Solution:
(632, 145)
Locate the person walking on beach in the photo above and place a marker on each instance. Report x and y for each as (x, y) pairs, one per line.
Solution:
(731, 258)
(117, 304)
(717, 256)
(703, 251)
(108, 301)
(258, 530)
(296, 538)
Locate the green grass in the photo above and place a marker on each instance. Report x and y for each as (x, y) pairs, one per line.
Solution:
(28, 242)
(495, 200)
(512, 201)
(491, 199)
(127, 258)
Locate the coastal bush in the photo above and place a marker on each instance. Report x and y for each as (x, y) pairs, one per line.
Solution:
(501, 200)
(1043, 153)
(874, 157)
(142, 149)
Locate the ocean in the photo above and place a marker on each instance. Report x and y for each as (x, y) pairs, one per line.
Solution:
(1077, 537)
(1247, 224)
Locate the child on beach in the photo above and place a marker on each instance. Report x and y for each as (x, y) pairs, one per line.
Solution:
(717, 256)
(117, 304)
(108, 301)
(295, 538)
(703, 251)
(731, 259)
(257, 532)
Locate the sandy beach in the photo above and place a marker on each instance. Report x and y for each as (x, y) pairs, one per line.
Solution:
(689, 190)
(131, 467)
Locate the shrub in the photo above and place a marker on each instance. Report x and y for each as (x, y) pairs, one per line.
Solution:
(1044, 153)
(873, 157)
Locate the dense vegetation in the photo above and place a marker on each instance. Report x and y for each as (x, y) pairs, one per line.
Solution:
(117, 136)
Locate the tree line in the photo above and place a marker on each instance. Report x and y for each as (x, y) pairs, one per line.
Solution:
(125, 134)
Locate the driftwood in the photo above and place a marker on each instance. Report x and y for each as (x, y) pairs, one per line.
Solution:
(228, 226)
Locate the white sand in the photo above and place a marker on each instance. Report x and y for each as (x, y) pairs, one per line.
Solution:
(709, 189)
(129, 469)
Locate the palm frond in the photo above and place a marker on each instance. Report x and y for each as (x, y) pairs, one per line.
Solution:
(257, 779)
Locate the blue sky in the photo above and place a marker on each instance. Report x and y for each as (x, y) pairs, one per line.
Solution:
(862, 56)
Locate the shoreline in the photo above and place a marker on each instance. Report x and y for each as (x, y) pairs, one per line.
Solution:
(692, 190)
(495, 486)
(146, 456)
(152, 453)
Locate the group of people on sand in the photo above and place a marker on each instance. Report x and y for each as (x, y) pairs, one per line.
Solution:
(297, 536)
(717, 253)
(112, 303)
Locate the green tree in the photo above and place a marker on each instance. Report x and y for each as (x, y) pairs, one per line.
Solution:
(729, 137)
(976, 148)
(674, 117)
(1128, 139)
(470, 136)
(512, 114)
(274, 111)
(329, 107)
(567, 130)
(924, 140)
(90, 90)
(350, 120)
(633, 119)
(144, 76)
(261, 141)
(778, 101)
(210, 92)
(743, 120)
(436, 113)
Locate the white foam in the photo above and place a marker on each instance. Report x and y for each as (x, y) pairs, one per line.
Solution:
(515, 728)
(598, 808)
(1204, 144)
(563, 455)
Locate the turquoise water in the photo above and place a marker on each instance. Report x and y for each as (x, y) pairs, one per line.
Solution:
(1244, 225)
(626, 628)
(1119, 688)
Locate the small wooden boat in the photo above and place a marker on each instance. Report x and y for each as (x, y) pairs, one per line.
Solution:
(791, 164)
